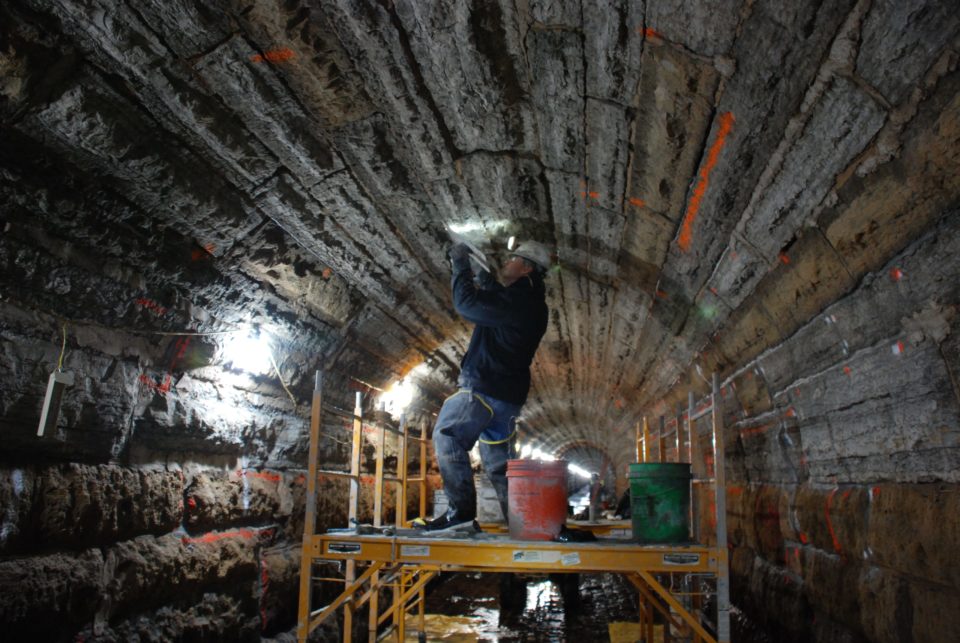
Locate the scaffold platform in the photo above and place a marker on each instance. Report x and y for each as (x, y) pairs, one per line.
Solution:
(683, 586)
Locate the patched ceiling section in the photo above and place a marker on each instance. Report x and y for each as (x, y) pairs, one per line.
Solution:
(712, 174)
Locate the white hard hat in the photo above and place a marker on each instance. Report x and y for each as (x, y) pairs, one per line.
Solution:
(534, 252)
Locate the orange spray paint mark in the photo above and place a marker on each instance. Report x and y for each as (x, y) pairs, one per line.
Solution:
(755, 430)
(784, 259)
(274, 56)
(847, 370)
(636, 202)
(703, 180)
(149, 304)
(327, 273)
(263, 475)
(662, 294)
(264, 583)
(651, 33)
(803, 538)
(833, 535)
(896, 274)
(212, 537)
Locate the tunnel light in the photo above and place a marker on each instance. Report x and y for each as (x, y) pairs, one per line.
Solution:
(542, 455)
(511, 242)
(578, 470)
(248, 352)
(397, 398)
(526, 450)
(476, 226)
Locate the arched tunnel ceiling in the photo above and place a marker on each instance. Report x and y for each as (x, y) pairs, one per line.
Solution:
(711, 174)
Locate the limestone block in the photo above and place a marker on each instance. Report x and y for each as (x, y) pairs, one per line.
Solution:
(808, 278)
(886, 605)
(511, 192)
(556, 12)
(279, 585)
(244, 496)
(901, 40)
(843, 121)
(675, 102)
(747, 332)
(879, 415)
(707, 28)
(613, 41)
(831, 520)
(292, 208)
(212, 614)
(935, 617)
(297, 277)
(607, 136)
(151, 571)
(470, 58)
(874, 311)
(341, 200)
(557, 91)
(49, 596)
(267, 109)
(94, 414)
(879, 214)
(762, 95)
(830, 583)
(910, 530)
(78, 504)
(776, 599)
(113, 137)
(123, 42)
(372, 41)
(300, 46)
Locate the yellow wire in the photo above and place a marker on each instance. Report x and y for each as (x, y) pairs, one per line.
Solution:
(63, 348)
(280, 377)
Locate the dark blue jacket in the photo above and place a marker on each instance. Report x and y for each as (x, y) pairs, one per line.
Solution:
(510, 321)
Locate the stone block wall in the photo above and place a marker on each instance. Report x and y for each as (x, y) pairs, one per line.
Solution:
(843, 460)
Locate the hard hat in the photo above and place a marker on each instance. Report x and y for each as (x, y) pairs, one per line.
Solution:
(534, 252)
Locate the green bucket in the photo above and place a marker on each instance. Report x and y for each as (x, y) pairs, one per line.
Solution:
(660, 501)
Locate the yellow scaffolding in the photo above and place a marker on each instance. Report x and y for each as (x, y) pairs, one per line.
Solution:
(674, 581)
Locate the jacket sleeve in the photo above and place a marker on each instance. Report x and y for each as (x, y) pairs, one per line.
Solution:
(483, 307)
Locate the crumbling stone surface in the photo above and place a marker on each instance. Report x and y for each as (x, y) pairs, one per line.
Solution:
(74, 506)
(50, 596)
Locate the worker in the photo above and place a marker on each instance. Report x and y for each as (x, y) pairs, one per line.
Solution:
(509, 320)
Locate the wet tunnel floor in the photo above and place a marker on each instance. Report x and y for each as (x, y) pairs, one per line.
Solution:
(507, 607)
(501, 608)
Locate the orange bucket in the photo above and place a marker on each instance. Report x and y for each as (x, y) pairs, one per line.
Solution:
(537, 496)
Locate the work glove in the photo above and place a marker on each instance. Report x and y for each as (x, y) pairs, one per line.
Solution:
(459, 252)
(460, 257)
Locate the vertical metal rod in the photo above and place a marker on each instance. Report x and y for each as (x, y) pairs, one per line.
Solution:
(423, 475)
(639, 444)
(378, 474)
(646, 439)
(679, 436)
(373, 612)
(719, 474)
(310, 520)
(353, 510)
(661, 440)
(402, 473)
(693, 454)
